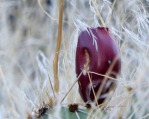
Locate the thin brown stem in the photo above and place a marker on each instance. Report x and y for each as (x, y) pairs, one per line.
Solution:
(59, 37)
(71, 87)
(98, 13)
(109, 16)
(105, 78)
(96, 100)
(52, 87)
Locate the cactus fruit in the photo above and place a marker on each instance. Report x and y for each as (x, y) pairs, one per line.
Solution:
(96, 52)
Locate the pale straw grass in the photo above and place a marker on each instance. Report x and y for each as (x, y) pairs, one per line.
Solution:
(28, 32)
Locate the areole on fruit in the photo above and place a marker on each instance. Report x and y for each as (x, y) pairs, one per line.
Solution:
(96, 52)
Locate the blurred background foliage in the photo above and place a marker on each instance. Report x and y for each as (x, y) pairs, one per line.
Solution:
(27, 48)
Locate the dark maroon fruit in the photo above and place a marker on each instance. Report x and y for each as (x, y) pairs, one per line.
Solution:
(96, 52)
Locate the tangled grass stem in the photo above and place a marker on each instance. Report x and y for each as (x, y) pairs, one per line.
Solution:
(98, 13)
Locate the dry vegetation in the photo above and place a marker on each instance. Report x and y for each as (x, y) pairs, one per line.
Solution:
(28, 33)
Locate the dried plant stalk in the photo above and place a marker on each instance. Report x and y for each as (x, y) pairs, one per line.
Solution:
(59, 37)
(97, 11)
